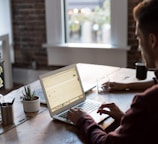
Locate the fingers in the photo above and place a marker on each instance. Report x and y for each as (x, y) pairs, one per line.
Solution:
(101, 111)
(74, 114)
(111, 86)
(105, 108)
(107, 105)
(73, 111)
(70, 114)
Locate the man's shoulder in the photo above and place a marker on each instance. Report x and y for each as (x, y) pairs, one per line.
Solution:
(150, 94)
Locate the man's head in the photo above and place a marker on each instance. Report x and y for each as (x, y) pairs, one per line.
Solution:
(146, 17)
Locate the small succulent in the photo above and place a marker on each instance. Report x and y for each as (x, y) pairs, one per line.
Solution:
(28, 94)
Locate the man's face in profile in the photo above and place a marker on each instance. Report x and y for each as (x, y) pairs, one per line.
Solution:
(145, 47)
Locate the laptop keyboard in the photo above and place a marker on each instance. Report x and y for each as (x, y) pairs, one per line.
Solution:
(86, 106)
(89, 106)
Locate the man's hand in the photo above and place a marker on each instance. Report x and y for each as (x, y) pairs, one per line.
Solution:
(75, 114)
(114, 86)
(112, 110)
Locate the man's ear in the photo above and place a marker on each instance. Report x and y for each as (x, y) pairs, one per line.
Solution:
(153, 40)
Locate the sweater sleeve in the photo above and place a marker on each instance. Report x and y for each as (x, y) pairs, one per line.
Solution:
(94, 133)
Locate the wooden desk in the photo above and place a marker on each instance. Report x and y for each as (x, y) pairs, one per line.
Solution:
(41, 129)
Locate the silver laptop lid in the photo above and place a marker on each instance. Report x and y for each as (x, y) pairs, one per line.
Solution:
(62, 89)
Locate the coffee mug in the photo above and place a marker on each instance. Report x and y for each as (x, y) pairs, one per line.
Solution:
(141, 71)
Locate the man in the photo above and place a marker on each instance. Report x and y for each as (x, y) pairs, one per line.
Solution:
(140, 123)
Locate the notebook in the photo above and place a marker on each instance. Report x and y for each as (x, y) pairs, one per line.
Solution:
(63, 90)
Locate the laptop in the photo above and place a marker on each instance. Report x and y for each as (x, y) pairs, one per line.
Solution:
(63, 90)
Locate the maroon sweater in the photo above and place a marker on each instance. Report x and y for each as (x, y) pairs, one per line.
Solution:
(138, 126)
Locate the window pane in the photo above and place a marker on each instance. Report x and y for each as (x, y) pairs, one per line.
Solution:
(5, 19)
(88, 21)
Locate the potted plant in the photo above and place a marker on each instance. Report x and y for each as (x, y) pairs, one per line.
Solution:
(31, 102)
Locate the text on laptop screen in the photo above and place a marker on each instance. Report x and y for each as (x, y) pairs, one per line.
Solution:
(62, 88)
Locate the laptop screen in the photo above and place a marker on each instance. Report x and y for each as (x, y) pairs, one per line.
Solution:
(62, 87)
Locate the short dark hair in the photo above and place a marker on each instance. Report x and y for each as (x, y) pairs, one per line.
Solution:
(146, 13)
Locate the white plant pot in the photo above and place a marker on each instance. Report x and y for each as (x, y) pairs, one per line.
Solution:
(31, 106)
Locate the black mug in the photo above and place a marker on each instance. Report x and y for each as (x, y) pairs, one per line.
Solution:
(141, 71)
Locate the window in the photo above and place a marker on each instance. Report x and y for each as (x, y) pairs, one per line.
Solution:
(5, 18)
(87, 21)
(56, 22)
(6, 50)
(61, 51)
(5, 25)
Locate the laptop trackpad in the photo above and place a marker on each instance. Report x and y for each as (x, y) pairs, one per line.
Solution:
(97, 117)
